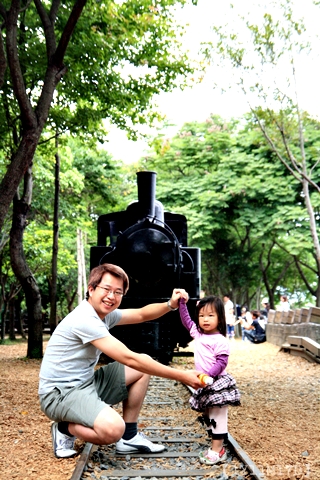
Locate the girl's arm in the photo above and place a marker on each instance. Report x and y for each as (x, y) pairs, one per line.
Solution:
(184, 314)
(219, 366)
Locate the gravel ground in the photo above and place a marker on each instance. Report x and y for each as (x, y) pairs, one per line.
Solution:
(277, 424)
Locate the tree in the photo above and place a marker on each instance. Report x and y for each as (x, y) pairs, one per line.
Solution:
(23, 272)
(217, 174)
(138, 57)
(33, 117)
(36, 37)
(195, 170)
(274, 47)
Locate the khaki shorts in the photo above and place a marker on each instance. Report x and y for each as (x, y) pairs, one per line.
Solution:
(83, 403)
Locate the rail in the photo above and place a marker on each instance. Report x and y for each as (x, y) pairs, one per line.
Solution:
(164, 420)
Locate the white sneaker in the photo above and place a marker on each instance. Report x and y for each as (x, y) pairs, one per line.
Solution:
(63, 445)
(139, 443)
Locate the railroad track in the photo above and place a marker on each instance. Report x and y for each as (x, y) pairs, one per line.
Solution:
(167, 418)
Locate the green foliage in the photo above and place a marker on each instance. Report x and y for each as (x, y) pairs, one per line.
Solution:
(238, 199)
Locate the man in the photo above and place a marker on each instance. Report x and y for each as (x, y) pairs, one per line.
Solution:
(254, 331)
(79, 399)
(228, 304)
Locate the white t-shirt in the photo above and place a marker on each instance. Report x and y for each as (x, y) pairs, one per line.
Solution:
(70, 358)
(228, 308)
(284, 306)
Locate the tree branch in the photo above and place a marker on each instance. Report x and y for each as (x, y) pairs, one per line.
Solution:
(48, 28)
(3, 60)
(302, 275)
(273, 146)
(68, 31)
(296, 258)
(54, 10)
(291, 157)
(3, 11)
(56, 69)
(15, 68)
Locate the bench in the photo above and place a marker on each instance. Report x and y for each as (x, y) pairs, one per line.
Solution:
(302, 346)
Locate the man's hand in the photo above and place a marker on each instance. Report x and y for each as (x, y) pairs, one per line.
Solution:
(176, 295)
(191, 377)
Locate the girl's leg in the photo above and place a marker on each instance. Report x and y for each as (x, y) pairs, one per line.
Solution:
(217, 424)
(220, 432)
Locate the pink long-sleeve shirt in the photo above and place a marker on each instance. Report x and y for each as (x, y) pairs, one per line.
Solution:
(211, 351)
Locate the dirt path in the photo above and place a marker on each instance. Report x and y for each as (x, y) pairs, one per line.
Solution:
(277, 424)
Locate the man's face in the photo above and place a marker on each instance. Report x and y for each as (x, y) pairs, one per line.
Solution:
(107, 296)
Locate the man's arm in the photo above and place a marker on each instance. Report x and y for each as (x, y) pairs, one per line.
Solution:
(115, 349)
(153, 310)
(246, 325)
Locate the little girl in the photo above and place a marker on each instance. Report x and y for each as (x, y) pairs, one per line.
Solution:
(211, 352)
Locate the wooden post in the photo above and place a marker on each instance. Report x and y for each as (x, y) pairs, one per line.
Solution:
(83, 263)
(80, 297)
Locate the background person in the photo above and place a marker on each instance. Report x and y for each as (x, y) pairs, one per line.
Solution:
(228, 307)
(284, 304)
(211, 353)
(77, 398)
(246, 316)
(254, 332)
(228, 304)
(230, 320)
(265, 307)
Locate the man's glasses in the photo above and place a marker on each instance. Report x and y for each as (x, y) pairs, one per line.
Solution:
(108, 291)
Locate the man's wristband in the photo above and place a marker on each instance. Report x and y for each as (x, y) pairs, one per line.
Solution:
(171, 308)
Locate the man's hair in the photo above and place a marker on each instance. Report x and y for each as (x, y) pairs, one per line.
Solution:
(255, 313)
(97, 273)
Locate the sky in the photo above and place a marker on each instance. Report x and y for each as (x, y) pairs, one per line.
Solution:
(197, 103)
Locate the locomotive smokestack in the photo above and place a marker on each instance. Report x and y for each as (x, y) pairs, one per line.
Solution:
(146, 182)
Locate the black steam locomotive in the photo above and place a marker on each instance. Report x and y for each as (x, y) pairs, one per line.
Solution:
(151, 246)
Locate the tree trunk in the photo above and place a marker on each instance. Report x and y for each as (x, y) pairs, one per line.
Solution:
(22, 271)
(314, 234)
(12, 334)
(55, 247)
(70, 299)
(33, 118)
(3, 321)
(17, 310)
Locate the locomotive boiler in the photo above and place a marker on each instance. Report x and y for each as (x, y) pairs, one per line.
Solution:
(150, 244)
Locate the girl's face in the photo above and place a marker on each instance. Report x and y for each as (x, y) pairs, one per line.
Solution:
(208, 319)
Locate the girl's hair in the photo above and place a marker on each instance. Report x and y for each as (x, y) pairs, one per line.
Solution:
(218, 305)
(97, 273)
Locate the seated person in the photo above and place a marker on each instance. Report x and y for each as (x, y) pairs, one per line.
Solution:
(246, 317)
(254, 332)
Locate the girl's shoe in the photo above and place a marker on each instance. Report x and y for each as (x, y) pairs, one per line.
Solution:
(210, 457)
